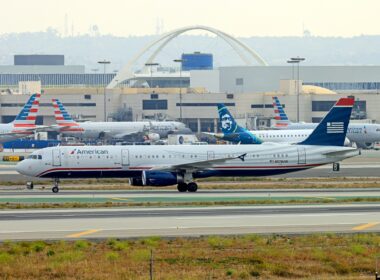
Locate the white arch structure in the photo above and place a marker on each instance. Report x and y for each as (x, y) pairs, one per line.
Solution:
(238, 46)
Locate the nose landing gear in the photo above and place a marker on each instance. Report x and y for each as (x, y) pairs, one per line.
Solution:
(55, 188)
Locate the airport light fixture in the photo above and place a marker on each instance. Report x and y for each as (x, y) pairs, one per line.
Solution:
(151, 64)
(104, 63)
(297, 60)
(180, 87)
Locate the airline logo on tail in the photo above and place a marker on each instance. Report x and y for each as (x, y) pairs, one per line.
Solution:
(28, 115)
(232, 131)
(63, 118)
(281, 118)
(335, 127)
(331, 131)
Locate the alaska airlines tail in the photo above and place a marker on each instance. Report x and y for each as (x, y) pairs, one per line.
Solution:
(331, 131)
(62, 117)
(281, 118)
(28, 115)
(232, 131)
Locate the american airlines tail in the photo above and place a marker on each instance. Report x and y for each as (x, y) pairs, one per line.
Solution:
(331, 131)
(28, 115)
(282, 120)
(63, 119)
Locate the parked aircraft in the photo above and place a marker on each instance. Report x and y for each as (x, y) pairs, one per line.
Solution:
(24, 124)
(234, 133)
(113, 130)
(181, 165)
(363, 134)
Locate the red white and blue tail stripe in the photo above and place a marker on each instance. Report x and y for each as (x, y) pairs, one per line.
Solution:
(332, 130)
(63, 118)
(281, 118)
(28, 115)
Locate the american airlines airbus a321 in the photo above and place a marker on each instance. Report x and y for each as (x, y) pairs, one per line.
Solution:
(181, 165)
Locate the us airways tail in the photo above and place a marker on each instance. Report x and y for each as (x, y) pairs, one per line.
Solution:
(282, 120)
(28, 115)
(332, 130)
(63, 119)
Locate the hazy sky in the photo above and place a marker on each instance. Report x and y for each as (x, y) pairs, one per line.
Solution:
(238, 17)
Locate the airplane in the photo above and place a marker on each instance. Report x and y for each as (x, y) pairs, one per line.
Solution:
(153, 131)
(364, 135)
(24, 124)
(181, 164)
(234, 133)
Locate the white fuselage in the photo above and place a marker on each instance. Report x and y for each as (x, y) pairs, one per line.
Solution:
(360, 133)
(94, 130)
(10, 133)
(131, 161)
(283, 136)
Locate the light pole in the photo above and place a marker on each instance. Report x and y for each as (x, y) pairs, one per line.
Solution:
(298, 60)
(151, 64)
(180, 87)
(104, 62)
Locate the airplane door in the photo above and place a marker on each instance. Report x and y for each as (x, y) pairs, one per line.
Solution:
(301, 155)
(125, 157)
(210, 155)
(56, 154)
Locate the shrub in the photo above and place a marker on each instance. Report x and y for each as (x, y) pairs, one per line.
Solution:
(112, 256)
(81, 244)
(5, 257)
(38, 246)
(230, 272)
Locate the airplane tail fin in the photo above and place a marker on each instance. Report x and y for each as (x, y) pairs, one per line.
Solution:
(28, 115)
(281, 118)
(62, 117)
(331, 131)
(227, 122)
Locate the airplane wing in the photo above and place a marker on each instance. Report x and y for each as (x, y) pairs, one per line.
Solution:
(197, 165)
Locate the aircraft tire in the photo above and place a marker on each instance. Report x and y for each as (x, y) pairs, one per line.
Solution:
(29, 185)
(192, 187)
(55, 189)
(182, 187)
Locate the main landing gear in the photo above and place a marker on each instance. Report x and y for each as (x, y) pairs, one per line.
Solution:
(190, 187)
(55, 188)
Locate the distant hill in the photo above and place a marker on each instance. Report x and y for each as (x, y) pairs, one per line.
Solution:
(87, 50)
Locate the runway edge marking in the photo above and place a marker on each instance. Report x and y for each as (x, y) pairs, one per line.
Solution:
(365, 226)
(82, 233)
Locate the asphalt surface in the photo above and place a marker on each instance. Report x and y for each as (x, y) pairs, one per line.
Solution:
(182, 221)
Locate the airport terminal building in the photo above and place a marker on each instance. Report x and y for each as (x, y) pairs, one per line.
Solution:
(190, 96)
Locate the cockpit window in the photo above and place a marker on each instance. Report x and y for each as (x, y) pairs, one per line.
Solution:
(34, 157)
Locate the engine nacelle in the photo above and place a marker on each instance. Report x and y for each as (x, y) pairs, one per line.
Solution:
(152, 137)
(160, 178)
(136, 182)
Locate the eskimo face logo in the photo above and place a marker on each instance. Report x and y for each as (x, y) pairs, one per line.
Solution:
(226, 122)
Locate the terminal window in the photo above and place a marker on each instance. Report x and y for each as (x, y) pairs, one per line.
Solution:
(155, 104)
(239, 81)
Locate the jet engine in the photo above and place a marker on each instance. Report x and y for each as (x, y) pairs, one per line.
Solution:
(160, 178)
(152, 137)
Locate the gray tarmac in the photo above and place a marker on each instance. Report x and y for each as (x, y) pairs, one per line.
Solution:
(187, 221)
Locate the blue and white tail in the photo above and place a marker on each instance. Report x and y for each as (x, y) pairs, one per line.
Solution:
(63, 118)
(28, 115)
(331, 131)
(232, 131)
(281, 118)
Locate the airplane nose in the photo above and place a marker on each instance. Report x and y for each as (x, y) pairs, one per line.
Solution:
(21, 168)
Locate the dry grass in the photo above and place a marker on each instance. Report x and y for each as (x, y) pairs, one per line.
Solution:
(319, 256)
